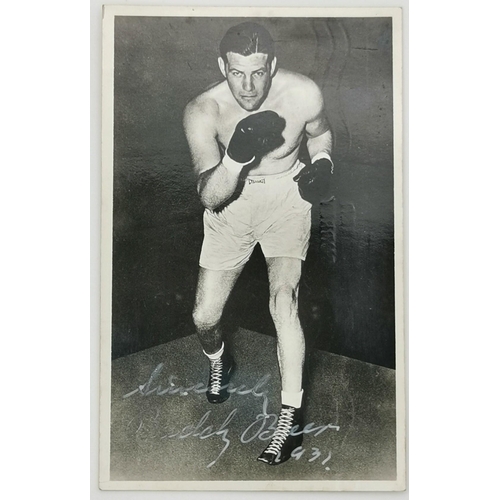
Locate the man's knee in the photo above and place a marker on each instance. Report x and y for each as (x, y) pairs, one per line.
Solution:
(205, 318)
(283, 301)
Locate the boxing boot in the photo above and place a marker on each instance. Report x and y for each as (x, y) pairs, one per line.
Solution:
(287, 436)
(218, 381)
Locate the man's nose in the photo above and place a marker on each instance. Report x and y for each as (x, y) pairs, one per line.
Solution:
(248, 84)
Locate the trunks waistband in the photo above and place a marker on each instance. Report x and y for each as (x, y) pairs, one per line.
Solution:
(263, 179)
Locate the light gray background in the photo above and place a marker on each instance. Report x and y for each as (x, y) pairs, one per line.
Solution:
(95, 187)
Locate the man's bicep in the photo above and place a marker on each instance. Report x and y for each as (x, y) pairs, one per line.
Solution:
(200, 134)
(317, 126)
(317, 122)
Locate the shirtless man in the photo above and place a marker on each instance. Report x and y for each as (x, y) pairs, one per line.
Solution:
(244, 135)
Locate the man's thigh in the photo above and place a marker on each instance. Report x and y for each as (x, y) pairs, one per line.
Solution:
(228, 240)
(283, 272)
(214, 287)
(286, 232)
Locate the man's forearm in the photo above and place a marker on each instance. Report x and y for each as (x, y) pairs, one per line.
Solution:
(216, 185)
(320, 144)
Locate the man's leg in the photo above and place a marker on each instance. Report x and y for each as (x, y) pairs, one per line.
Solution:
(212, 293)
(284, 276)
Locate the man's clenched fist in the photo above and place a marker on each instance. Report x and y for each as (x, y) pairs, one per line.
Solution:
(255, 136)
(315, 181)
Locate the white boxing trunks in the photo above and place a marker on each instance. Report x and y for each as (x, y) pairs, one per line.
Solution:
(269, 211)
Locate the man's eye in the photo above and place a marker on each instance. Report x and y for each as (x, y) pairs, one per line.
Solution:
(235, 73)
(260, 73)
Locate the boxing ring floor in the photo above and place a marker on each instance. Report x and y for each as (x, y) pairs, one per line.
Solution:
(163, 428)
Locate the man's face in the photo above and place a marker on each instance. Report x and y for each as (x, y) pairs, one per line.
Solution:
(249, 78)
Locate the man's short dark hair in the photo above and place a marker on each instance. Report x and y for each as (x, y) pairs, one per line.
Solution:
(247, 38)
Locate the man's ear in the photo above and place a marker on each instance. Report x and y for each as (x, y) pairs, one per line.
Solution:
(222, 66)
(273, 66)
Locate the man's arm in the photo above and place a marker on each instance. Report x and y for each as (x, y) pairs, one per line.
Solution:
(315, 179)
(253, 137)
(318, 133)
(214, 181)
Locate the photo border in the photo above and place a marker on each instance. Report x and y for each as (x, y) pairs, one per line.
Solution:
(109, 13)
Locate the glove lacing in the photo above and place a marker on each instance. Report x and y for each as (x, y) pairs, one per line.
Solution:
(216, 368)
(285, 422)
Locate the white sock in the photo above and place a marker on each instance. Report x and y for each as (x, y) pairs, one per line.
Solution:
(292, 398)
(215, 355)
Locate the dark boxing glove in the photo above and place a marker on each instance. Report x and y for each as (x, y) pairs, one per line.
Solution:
(254, 137)
(315, 181)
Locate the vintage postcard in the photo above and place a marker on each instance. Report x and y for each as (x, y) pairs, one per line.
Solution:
(252, 249)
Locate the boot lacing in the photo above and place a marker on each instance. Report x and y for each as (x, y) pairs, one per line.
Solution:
(215, 375)
(285, 422)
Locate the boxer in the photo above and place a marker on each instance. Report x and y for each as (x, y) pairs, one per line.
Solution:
(244, 135)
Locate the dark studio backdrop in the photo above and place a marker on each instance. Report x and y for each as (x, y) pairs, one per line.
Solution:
(347, 289)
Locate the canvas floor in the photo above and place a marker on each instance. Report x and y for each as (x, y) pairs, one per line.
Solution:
(164, 429)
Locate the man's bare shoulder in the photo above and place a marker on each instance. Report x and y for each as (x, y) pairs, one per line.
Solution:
(296, 82)
(201, 106)
(300, 89)
(207, 103)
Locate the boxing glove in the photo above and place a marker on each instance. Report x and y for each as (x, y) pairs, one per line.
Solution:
(255, 136)
(315, 181)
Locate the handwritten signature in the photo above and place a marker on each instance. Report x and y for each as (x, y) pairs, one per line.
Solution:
(261, 428)
(148, 389)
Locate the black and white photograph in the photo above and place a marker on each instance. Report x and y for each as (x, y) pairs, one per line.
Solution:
(252, 317)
